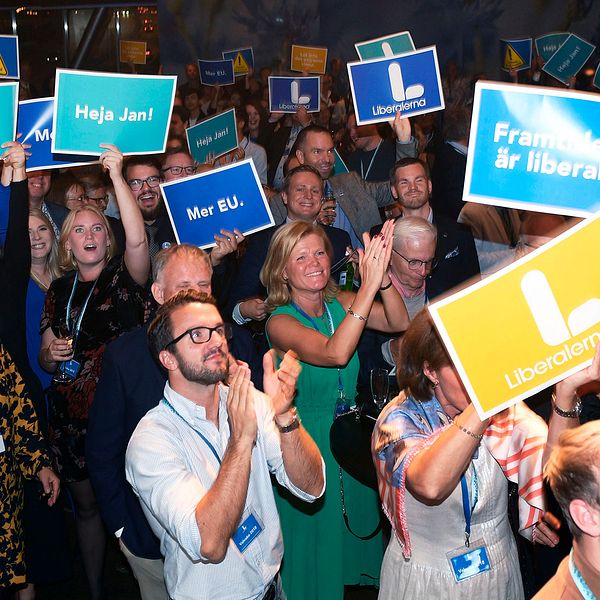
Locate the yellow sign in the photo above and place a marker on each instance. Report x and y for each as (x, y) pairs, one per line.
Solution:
(529, 325)
(309, 59)
(240, 66)
(3, 69)
(512, 59)
(133, 52)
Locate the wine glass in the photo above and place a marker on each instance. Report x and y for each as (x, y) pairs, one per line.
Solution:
(64, 333)
(380, 387)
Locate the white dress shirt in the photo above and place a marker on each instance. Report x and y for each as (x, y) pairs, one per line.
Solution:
(171, 467)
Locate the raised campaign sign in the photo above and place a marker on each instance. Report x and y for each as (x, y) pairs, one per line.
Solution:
(131, 111)
(35, 125)
(286, 94)
(9, 57)
(213, 136)
(9, 98)
(529, 325)
(243, 60)
(216, 72)
(227, 198)
(534, 148)
(515, 55)
(409, 83)
(309, 59)
(547, 45)
(388, 45)
(568, 60)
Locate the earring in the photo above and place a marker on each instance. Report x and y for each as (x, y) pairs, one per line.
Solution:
(435, 383)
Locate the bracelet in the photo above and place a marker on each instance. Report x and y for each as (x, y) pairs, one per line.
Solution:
(386, 287)
(567, 414)
(292, 425)
(356, 315)
(475, 436)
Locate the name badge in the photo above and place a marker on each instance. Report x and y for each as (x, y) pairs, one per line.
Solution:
(247, 532)
(466, 563)
(71, 368)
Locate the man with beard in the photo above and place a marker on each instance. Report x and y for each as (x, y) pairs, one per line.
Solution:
(455, 252)
(201, 460)
(142, 174)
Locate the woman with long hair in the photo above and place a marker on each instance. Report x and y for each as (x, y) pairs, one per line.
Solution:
(100, 297)
(322, 325)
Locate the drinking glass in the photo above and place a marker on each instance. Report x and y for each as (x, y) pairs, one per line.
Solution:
(380, 387)
(64, 333)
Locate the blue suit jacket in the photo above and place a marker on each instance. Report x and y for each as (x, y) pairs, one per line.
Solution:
(130, 384)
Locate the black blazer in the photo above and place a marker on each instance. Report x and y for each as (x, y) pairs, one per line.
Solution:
(247, 283)
(130, 384)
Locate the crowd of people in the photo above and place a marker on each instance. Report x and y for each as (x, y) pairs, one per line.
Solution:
(179, 402)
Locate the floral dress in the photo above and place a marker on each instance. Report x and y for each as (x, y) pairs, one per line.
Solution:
(115, 306)
(23, 454)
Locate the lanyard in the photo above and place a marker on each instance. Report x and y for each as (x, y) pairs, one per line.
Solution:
(582, 586)
(81, 312)
(204, 438)
(467, 506)
(341, 393)
(365, 175)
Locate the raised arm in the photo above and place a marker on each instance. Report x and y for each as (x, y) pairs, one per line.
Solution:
(312, 347)
(137, 256)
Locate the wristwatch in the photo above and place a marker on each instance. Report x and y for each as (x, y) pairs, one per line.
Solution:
(293, 424)
(567, 414)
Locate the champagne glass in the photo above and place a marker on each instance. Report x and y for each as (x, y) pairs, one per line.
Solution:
(380, 387)
(64, 333)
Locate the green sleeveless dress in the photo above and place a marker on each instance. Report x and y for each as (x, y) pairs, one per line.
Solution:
(320, 554)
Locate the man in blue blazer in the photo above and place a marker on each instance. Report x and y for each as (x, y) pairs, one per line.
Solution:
(131, 383)
(302, 194)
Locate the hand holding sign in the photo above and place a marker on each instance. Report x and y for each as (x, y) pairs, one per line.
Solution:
(227, 243)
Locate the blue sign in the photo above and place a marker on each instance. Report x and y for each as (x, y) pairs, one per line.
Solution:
(567, 61)
(389, 45)
(215, 136)
(132, 112)
(515, 55)
(216, 72)
(286, 94)
(534, 148)
(227, 198)
(35, 125)
(9, 57)
(243, 60)
(409, 83)
(548, 44)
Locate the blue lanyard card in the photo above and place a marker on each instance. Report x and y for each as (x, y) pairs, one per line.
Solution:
(466, 563)
(247, 532)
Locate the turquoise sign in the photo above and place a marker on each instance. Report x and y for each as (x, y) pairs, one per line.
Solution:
(548, 44)
(389, 45)
(214, 136)
(132, 112)
(567, 61)
(9, 96)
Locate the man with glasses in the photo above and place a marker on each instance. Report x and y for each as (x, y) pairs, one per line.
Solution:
(130, 384)
(201, 460)
(142, 174)
(176, 163)
(455, 252)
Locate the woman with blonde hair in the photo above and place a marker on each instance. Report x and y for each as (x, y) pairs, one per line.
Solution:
(99, 298)
(322, 324)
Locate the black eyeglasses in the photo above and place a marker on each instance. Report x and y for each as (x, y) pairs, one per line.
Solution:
(201, 335)
(178, 170)
(97, 200)
(137, 184)
(414, 264)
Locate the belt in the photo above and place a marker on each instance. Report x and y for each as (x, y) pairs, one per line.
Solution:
(271, 590)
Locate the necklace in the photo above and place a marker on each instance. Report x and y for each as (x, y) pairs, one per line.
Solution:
(40, 283)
